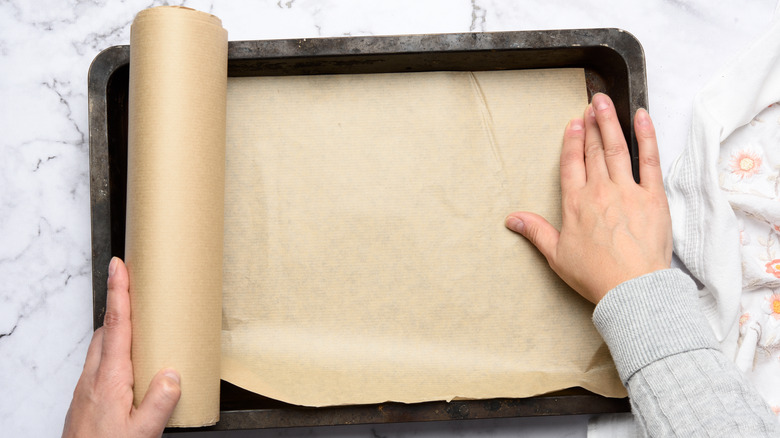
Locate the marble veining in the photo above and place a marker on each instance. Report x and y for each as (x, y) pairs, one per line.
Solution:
(46, 47)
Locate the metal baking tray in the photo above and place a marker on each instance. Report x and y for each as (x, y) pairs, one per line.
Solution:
(613, 61)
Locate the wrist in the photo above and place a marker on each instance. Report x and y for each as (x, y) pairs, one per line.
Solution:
(651, 317)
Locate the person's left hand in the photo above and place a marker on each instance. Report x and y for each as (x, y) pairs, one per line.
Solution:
(102, 403)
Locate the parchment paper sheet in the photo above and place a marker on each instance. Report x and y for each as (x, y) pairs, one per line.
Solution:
(175, 180)
(366, 258)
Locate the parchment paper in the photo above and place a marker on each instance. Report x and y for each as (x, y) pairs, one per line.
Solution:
(175, 191)
(365, 257)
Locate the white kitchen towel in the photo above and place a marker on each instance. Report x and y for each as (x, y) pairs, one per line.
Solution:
(724, 196)
(613, 426)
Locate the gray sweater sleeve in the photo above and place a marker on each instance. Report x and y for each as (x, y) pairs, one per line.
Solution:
(679, 382)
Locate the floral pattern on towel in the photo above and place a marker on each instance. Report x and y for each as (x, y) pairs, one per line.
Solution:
(773, 305)
(749, 175)
(745, 163)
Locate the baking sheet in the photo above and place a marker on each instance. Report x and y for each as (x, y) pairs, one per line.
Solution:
(616, 67)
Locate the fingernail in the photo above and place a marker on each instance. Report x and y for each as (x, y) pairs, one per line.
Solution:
(515, 224)
(642, 117)
(601, 101)
(576, 125)
(590, 111)
(173, 375)
(112, 266)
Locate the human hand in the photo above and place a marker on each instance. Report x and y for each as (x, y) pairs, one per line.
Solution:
(102, 403)
(613, 228)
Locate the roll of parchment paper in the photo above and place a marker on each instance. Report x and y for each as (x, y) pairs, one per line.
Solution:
(175, 180)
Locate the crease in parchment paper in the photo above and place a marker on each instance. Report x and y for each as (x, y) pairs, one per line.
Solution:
(487, 119)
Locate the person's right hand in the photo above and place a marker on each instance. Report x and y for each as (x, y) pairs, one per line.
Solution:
(613, 228)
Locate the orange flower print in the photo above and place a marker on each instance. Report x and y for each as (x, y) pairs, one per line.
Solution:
(743, 319)
(776, 410)
(773, 268)
(777, 228)
(745, 164)
(774, 305)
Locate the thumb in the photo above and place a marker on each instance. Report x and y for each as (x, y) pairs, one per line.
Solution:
(158, 403)
(537, 230)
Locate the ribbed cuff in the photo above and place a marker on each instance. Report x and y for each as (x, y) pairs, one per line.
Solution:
(651, 317)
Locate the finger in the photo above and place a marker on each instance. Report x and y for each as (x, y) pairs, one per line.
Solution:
(158, 403)
(537, 230)
(116, 323)
(93, 352)
(573, 156)
(616, 153)
(595, 166)
(650, 176)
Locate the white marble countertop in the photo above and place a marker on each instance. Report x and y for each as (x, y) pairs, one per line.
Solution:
(46, 48)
